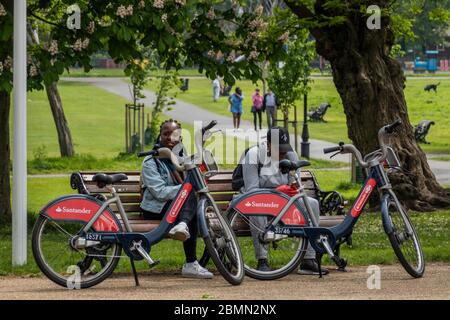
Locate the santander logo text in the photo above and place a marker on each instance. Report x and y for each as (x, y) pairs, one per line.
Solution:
(255, 204)
(73, 210)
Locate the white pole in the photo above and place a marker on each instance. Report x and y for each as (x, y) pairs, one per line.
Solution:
(19, 218)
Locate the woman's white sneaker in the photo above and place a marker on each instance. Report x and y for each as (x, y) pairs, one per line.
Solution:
(195, 270)
(180, 232)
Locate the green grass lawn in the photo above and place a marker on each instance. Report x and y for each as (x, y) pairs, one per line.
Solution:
(96, 120)
(421, 105)
(370, 244)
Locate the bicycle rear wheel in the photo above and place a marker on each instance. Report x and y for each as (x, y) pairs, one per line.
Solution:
(283, 255)
(222, 245)
(66, 266)
(403, 238)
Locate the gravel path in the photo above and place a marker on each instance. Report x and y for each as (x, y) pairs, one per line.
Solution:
(395, 284)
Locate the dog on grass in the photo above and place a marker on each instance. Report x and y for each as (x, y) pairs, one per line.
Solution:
(433, 87)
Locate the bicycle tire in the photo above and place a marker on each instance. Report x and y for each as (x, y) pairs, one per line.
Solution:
(278, 273)
(51, 274)
(211, 243)
(394, 239)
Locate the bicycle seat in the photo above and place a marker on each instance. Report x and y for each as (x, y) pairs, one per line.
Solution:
(105, 179)
(288, 165)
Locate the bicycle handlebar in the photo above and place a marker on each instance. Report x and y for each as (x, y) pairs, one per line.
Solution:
(332, 149)
(147, 153)
(349, 148)
(209, 126)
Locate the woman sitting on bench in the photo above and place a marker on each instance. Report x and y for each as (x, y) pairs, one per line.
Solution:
(160, 183)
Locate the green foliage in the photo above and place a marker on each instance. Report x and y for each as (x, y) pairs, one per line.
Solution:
(209, 34)
(163, 101)
(421, 24)
(291, 81)
(139, 71)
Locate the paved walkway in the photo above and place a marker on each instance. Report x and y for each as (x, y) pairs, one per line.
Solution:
(395, 283)
(189, 113)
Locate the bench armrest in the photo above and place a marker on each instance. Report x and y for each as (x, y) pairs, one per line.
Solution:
(77, 183)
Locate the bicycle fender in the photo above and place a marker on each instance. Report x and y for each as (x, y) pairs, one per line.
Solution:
(81, 207)
(387, 225)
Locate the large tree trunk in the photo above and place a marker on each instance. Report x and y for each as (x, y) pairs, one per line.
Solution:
(370, 84)
(62, 127)
(5, 188)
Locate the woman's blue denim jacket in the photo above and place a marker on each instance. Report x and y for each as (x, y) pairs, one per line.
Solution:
(159, 186)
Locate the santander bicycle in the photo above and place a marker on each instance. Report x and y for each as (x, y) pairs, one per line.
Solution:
(77, 240)
(290, 226)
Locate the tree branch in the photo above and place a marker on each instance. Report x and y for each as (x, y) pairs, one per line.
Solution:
(302, 11)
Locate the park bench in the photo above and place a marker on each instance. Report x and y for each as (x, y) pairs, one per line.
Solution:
(226, 91)
(422, 129)
(319, 113)
(185, 85)
(219, 185)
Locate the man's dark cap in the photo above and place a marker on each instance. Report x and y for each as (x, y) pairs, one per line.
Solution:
(283, 138)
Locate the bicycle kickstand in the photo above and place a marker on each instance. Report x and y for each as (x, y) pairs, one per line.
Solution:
(133, 267)
(319, 263)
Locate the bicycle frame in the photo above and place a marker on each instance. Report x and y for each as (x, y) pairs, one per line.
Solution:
(376, 178)
(194, 182)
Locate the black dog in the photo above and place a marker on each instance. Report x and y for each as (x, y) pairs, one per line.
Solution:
(430, 87)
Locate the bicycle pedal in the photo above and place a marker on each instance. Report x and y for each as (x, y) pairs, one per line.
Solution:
(154, 264)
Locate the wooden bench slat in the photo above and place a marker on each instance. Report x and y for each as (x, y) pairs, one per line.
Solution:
(219, 185)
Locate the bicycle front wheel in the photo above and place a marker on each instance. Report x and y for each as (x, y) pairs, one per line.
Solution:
(403, 237)
(222, 245)
(66, 266)
(283, 254)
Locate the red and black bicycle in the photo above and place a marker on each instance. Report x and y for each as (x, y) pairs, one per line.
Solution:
(77, 240)
(289, 225)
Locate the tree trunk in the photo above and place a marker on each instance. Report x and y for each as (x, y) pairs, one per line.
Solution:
(370, 84)
(62, 127)
(5, 187)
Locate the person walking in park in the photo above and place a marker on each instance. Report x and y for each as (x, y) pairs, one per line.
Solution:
(257, 108)
(270, 104)
(216, 89)
(236, 107)
(160, 184)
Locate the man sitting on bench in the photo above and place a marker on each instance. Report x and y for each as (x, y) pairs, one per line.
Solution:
(161, 184)
(260, 170)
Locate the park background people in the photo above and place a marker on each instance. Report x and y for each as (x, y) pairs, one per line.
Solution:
(236, 107)
(216, 89)
(257, 108)
(270, 104)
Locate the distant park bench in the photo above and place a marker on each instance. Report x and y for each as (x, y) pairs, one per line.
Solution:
(319, 113)
(221, 191)
(185, 86)
(422, 130)
(226, 91)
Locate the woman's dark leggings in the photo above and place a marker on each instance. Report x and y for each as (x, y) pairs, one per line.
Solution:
(259, 113)
(187, 215)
